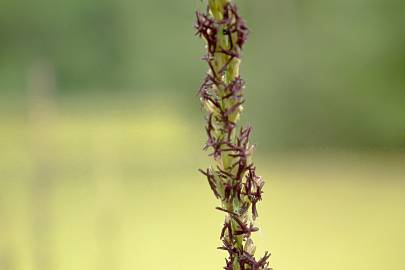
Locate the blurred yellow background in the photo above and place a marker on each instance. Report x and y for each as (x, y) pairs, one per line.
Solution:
(101, 135)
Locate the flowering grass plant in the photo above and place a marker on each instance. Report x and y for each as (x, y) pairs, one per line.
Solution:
(232, 178)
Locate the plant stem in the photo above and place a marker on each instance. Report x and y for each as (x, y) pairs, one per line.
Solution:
(233, 179)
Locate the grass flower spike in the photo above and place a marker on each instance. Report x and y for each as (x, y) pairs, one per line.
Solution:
(232, 178)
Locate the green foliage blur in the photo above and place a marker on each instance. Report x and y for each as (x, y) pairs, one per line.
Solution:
(319, 74)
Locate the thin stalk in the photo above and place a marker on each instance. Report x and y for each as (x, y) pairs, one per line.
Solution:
(233, 178)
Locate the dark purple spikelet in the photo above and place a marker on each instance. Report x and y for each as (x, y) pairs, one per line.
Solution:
(233, 180)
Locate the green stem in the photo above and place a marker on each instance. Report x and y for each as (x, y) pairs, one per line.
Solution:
(231, 73)
(233, 180)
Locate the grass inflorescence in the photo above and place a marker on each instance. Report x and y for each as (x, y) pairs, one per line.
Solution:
(233, 178)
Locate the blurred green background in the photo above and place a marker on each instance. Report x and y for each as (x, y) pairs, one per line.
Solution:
(101, 134)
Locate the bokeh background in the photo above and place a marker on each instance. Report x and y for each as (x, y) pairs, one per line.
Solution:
(101, 134)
